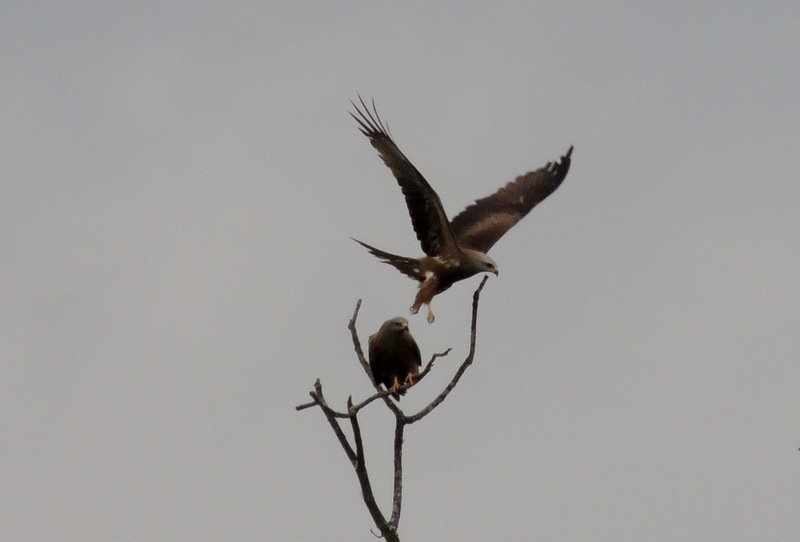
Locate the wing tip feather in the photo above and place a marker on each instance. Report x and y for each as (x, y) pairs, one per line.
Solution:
(370, 122)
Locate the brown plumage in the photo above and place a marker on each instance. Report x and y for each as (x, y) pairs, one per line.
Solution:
(454, 250)
(394, 357)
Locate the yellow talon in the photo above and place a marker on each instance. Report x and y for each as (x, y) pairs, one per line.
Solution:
(395, 386)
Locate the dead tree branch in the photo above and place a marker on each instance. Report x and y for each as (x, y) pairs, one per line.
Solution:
(397, 499)
(355, 452)
(386, 530)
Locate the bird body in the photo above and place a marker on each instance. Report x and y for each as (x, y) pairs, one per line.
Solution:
(454, 250)
(394, 357)
(435, 273)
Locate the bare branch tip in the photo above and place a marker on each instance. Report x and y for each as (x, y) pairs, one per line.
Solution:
(352, 322)
(481, 285)
(441, 354)
(305, 406)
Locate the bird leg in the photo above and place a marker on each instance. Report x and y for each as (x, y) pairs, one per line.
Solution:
(431, 317)
(409, 378)
(428, 289)
(395, 386)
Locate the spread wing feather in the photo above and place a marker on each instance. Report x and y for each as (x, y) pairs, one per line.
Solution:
(483, 223)
(424, 206)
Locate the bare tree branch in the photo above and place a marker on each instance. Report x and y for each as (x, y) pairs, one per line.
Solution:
(397, 497)
(304, 406)
(377, 395)
(330, 415)
(429, 366)
(388, 530)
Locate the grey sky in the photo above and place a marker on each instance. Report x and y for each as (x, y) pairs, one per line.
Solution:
(179, 186)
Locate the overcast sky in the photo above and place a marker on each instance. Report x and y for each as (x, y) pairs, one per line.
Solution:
(180, 182)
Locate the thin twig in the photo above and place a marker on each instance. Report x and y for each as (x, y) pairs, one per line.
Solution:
(377, 395)
(304, 406)
(429, 366)
(351, 325)
(329, 415)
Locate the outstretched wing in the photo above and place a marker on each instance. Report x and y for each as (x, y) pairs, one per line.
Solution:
(481, 224)
(424, 206)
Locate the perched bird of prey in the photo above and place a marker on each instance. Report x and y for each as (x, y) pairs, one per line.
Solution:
(454, 250)
(394, 357)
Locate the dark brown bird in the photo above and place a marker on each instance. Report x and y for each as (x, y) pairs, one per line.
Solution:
(454, 250)
(394, 357)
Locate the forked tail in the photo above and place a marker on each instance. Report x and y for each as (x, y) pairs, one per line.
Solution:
(407, 266)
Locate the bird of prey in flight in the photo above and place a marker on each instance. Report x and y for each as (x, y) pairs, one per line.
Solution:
(454, 249)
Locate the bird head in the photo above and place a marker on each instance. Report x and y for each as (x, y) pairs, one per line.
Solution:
(484, 263)
(397, 324)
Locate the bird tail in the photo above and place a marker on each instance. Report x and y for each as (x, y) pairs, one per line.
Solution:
(407, 266)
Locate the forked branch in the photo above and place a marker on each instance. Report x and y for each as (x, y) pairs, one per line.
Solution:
(355, 452)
